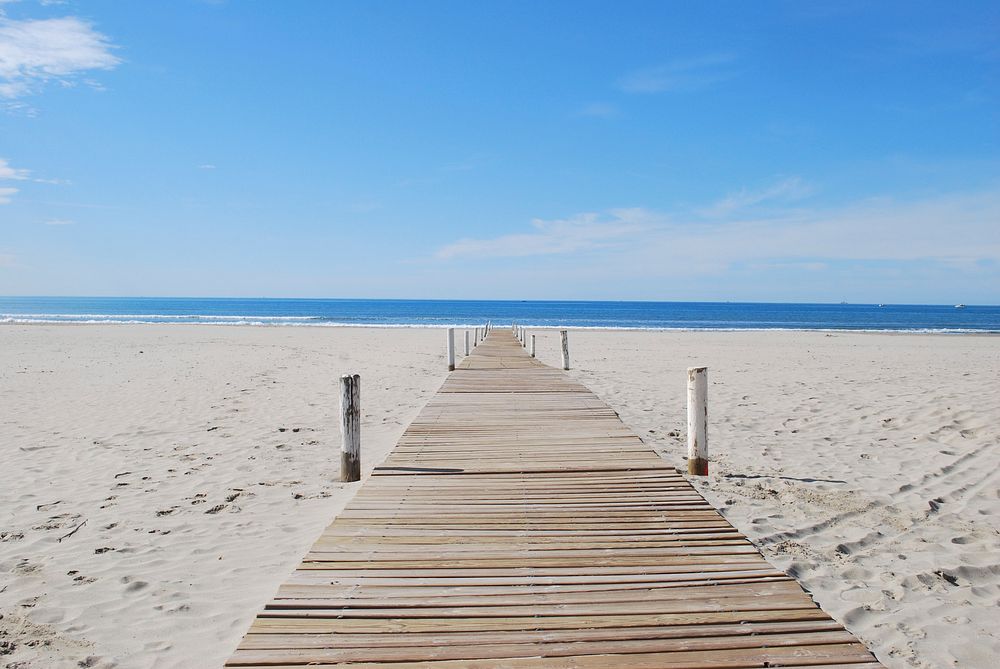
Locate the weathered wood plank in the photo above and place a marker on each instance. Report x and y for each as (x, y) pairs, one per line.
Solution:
(518, 523)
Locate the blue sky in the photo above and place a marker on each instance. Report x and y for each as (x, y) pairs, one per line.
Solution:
(780, 151)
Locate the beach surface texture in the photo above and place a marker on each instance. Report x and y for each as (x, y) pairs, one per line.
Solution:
(160, 481)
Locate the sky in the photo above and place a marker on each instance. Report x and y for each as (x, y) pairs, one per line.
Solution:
(772, 151)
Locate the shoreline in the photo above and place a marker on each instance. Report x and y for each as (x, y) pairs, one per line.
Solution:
(555, 328)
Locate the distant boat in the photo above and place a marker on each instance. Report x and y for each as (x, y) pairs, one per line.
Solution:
(960, 306)
(881, 305)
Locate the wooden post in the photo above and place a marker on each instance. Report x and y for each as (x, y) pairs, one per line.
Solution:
(524, 338)
(564, 335)
(350, 428)
(466, 342)
(451, 349)
(698, 421)
(475, 342)
(532, 346)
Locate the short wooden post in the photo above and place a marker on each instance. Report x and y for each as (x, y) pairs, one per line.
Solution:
(698, 421)
(466, 342)
(451, 349)
(475, 341)
(564, 335)
(350, 428)
(524, 338)
(532, 346)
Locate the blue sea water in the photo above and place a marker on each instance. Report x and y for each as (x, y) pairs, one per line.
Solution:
(444, 313)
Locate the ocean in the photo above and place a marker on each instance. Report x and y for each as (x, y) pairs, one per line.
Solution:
(465, 313)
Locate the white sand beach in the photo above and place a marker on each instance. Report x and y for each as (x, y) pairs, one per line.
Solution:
(159, 482)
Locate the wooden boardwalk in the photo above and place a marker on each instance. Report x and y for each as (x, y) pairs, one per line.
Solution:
(518, 523)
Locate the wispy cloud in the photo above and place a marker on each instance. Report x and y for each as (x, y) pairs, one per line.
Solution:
(599, 110)
(8, 173)
(958, 230)
(579, 233)
(683, 74)
(60, 221)
(34, 52)
(783, 191)
(206, 166)
(13, 173)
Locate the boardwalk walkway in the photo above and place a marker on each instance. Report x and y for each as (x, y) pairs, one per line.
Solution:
(518, 523)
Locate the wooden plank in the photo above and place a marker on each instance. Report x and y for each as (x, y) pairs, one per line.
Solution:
(518, 523)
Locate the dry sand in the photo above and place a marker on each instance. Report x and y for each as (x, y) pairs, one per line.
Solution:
(196, 464)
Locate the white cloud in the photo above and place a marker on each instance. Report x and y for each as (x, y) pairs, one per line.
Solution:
(785, 190)
(960, 229)
(582, 232)
(35, 52)
(60, 221)
(680, 75)
(8, 172)
(206, 166)
(599, 110)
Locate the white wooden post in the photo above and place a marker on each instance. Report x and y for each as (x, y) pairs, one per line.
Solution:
(466, 342)
(524, 339)
(350, 428)
(451, 349)
(698, 421)
(532, 346)
(564, 335)
(475, 341)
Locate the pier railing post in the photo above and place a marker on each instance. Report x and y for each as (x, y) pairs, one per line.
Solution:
(564, 336)
(451, 349)
(350, 428)
(476, 340)
(697, 421)
(466, 342)
(532, 346)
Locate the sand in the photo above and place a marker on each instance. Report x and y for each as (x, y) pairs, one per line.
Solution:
(159, 482)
